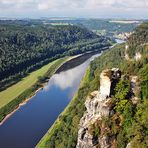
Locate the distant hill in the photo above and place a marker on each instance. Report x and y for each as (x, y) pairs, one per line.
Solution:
(106, 27)
(26, 46)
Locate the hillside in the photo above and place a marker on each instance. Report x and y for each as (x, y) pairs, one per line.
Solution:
(24, 48)
(106, 27)
(138, 42)
(127, 124)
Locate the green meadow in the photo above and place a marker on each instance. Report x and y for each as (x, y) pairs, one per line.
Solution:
(15, 90)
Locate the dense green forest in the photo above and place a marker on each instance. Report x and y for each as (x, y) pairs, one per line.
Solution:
(129, 123)
(111, 28)
(25, 47)
(139, 40)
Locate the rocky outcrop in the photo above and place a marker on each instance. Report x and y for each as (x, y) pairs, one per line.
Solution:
(128, 145)
(135, 88)
(97, 105)
(105, 84)
(137, 56)
(126, 54)
(124, 35)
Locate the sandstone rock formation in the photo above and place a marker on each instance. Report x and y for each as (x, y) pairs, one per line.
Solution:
(97, 107)
(138, 56)
(135, 88)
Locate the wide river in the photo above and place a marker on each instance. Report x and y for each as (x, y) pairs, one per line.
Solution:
(31, 121)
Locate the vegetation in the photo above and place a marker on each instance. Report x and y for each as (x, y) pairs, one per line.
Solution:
(25, 48)
(129, 122)
(138, 41)
(14, 95)
(105, 27)
(138, 132)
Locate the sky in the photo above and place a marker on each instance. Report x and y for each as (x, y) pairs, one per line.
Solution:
(137, 9)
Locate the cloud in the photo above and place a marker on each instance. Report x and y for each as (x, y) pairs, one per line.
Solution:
(72, 7)
(90, 4)
(17, 4)
(66, 4)
(58, 4)
(117, 3)
(48, 4)
(43, 6)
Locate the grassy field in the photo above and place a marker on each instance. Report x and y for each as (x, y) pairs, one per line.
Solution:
(15, 90)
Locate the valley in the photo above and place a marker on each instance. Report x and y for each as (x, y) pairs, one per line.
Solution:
(73, 83)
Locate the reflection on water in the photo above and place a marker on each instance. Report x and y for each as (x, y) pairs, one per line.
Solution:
(28, 125)
(66, 79)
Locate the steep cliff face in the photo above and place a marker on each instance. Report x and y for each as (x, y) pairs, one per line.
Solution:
(97, 105)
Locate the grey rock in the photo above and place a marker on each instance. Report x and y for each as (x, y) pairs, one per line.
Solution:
(97, 106)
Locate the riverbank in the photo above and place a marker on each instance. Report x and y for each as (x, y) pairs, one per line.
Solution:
(7, 110)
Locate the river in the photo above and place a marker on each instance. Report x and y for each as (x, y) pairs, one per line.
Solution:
(30, 122)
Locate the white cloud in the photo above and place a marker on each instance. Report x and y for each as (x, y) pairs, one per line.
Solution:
(17, 4)
(117, 3)
(66, 4)
(60, 5)
(43, 6)
(48, 4)
(92, 4)
(16, 1)
(72, 7)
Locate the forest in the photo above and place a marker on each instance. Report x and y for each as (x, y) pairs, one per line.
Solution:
(109, 27)
(25, 47)
(129, 123)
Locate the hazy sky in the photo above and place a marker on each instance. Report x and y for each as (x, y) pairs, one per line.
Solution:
(74, 8)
